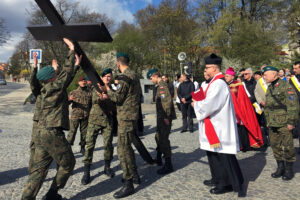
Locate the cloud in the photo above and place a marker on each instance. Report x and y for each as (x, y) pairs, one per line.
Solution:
(8, 48)
(115, 9)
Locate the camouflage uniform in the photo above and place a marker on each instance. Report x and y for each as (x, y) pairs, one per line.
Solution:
(164, 110)
(81, 106)
(101, 118)
(127, 99)
(50, 142)
(281, 109)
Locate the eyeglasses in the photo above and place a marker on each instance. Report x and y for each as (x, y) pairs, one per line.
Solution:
(246, 74)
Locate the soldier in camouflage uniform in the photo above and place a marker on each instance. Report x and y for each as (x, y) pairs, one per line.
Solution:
(50, 142)
(165, 114)
(101, 119)
(127, 99)
(81, 100)
(281, 110)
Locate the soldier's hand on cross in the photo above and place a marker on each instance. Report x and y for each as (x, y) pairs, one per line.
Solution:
(78, 59)
(54, 64)
(69, 43)
(35, 60)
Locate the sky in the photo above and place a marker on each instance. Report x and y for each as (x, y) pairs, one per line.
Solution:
(14, 12)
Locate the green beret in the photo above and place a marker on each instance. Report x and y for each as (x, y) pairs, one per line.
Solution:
(106, 71)
(45, 73)
(119, 54)
(269, 68)
(151, 72)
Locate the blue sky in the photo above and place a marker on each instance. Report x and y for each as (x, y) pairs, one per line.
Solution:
(14, 13)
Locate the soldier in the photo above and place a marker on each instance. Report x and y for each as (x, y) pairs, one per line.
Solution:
(165, 114)
(81, 100)
(101, 119)
(281, 112)
(127, 98)
(50, 142)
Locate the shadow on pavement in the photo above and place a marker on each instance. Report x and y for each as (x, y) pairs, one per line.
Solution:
(13, 175)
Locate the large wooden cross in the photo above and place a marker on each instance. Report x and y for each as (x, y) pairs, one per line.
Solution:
(83, 33)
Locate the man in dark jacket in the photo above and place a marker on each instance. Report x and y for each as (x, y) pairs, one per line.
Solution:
(165, 78)
(250, 83)
(184, 93)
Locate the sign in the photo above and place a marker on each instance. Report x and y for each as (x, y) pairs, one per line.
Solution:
(38, 52)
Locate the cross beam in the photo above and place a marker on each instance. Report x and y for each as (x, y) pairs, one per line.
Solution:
(59, 30)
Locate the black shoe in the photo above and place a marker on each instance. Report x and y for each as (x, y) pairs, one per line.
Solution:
(223, 190)
(136, 179)
(191, 131)
(86, 178)
(52, 195)
(288, 172)
(182, 131)
(158, 159)
(280, 169)
(82, 149)
(107, 170)
(210, 182)
(126, 190)
(167, 168)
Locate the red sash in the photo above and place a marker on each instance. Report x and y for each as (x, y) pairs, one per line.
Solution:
(209, 128)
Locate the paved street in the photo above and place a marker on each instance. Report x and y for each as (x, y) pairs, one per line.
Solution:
(190, 163)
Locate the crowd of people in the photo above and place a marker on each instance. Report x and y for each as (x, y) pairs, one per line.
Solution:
(234, 113)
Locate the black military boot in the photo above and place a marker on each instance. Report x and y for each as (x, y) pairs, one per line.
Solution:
(280, 169)
(167, 168)
(107, 170)
(52, 193)
(126, 190)
(135, 179)
(86, 178)
(158, 158)
(288, 172)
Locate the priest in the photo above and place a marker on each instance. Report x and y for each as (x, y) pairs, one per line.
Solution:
(218, 133)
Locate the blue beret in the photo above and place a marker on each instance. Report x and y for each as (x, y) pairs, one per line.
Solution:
(151, 72)
(106, 71)
(45, 73)
(119, 54)
(269, 68)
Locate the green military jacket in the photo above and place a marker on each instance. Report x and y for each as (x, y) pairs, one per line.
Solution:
(35, 87)
(164, 103)
(282, 105)
(54, 97)
(82, 102)
(102, 111)
(127, 97)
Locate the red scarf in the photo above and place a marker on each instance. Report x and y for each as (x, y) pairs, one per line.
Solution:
(209, 128)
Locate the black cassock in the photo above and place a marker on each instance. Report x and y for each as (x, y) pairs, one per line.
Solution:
(225, 170)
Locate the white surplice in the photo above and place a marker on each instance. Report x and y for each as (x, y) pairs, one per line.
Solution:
(218, 105)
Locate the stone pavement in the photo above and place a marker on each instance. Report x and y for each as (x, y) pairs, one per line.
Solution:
(190, 163)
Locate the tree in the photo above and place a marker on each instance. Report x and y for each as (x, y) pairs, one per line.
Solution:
(4, 33)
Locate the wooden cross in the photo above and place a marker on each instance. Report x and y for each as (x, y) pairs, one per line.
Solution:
(83, 33)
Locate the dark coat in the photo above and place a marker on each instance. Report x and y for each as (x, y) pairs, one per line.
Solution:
(185, 89)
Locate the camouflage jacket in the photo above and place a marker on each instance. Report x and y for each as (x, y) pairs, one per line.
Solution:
(282, 106)
(164, 103)
(54, 97)
(36, 87)
(102, 111)
(81, 103)
(127, 97)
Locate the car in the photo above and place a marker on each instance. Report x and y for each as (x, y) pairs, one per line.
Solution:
(3, 82)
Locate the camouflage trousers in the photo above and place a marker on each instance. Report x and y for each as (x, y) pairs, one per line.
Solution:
(162, 138)
(74, 124)
(92, 134)
(49, 144)
(126, 155)
(32, 145)
(281, 140)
